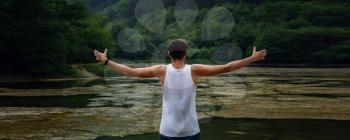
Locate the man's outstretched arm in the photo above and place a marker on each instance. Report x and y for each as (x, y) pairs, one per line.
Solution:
(209, 70)
(147, 72)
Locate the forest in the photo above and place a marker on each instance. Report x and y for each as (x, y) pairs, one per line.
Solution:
(45, 37)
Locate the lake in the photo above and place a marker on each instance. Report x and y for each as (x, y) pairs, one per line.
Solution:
(252, 103)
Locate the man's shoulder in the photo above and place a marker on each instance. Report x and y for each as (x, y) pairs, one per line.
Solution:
(197, 66)
(159, 67)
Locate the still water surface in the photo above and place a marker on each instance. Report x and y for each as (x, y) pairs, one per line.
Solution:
(252, 103)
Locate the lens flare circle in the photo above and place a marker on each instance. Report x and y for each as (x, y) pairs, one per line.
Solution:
(151, 14)
(227, 53)
(217, 24)
(130, 40)
(185, 12)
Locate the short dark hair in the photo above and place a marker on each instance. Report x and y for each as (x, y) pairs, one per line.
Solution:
(178, 55)
(177, 49)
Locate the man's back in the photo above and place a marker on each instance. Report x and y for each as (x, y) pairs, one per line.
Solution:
(179, 118)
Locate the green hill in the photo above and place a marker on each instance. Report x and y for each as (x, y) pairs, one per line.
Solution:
(40, 37)
(304, 31)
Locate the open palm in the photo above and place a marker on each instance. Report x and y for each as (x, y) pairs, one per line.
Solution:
(101, 57)
(259, 55)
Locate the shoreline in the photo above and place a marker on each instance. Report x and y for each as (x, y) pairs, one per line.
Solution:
(284, 65)
(84, 73)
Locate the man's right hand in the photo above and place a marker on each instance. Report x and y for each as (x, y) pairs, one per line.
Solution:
(101, 57)
(259, 55)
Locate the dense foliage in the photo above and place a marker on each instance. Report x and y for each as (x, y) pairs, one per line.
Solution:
(40, 37)
(303, 31)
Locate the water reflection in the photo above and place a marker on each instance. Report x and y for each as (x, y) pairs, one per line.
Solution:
(115, 107)
(72, 101)
(254, 129)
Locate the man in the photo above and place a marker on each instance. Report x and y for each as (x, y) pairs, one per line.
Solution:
(178, 80)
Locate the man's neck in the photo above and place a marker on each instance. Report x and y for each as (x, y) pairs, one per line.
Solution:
(178, 64)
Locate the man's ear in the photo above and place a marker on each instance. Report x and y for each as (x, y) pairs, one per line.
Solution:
(169, 56)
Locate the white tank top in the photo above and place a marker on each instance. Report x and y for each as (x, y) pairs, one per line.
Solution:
(179, 116)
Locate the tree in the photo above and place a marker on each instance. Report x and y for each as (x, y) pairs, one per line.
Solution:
(39, 37)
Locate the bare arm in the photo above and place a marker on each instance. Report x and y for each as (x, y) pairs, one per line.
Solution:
(209, 70)
(147, 72)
